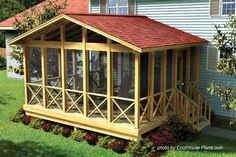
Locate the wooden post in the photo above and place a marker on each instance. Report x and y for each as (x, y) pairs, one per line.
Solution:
(163, 80)
(181, 69)
(63, 69)
(151, 68)
(109, 82)
(188, 66)
(26, 72)
(85, 72)
(137, 90)
(44, 71)
(196, 66)
(174, 75)
(74, 64)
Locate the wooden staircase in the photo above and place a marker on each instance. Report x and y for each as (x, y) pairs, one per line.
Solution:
(193, 106)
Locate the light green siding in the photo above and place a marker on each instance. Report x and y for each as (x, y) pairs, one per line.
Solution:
(194, 17)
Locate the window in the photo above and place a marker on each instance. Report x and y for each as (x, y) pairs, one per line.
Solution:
(118, 7)
(228, 7)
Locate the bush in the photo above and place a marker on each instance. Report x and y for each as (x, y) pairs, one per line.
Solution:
(47, 126)
(2, 63)
(139, 148)
(66, 131)
(105, 141)
(78, 135)
(36, 123)
(161, 137)
(26, 120)
(118, 146)
(179, 129)
(91, 138)
(57, 129)
(18, 116)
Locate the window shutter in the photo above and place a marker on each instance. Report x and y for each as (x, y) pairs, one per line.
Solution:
(214, 7)
(132, 7)
(103, 6)
(212, 58)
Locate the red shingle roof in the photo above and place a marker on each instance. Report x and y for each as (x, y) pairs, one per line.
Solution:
(73, 6)
(139, 31)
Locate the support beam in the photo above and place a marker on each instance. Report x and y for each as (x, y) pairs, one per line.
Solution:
(163, 80)
(44, 71)
(74, 64)
(181, 69)
(63, 69)
(174, 75)
(196, 66)
(85, 72)
(151, 68)
(188, 66)
(137, 90)
(26, 72)
(109, 81)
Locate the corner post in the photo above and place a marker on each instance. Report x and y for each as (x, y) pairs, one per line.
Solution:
(163, 80)
(109, 81)
(151, 68)
(137, 89)
(174, 75)
(196, 66)
(85, 72)
(188, 66)
(63, 69)
(44, 71)
(26, 72)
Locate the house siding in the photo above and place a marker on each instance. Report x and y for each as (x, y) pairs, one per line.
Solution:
(11, 62)
(94, 6)
(194, 17)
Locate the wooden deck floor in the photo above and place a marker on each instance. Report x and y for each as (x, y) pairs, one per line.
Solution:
(97, 124)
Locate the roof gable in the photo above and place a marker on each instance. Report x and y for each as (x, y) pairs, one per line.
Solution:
(136, 32)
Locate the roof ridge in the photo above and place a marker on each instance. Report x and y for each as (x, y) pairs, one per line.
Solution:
(97, 14)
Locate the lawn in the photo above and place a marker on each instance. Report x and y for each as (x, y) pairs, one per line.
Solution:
(17, 140)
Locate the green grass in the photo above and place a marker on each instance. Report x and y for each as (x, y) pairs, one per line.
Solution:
(17, 140)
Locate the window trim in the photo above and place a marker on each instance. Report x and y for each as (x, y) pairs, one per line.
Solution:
(221, 7)
(207, 59)
(117, 7)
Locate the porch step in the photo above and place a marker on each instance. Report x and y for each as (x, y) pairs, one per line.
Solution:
(202, 125)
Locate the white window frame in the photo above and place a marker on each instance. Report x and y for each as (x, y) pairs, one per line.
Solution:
(221, 7)
(117, 7)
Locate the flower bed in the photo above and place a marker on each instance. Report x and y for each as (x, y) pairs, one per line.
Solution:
(174, 130)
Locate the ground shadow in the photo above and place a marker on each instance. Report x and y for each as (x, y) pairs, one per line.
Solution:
(5, 98)
(28, 149)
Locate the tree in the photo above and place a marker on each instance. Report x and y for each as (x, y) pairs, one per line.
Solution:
(225, 41)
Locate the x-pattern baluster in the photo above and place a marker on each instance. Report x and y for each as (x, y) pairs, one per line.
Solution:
(97, 107)
(54, 99)
(169, 104)
(74, 102)
(144, 110)
(35, 94)
(123, 112)
(157, 104)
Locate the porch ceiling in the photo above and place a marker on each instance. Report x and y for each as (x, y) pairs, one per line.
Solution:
(136, 32)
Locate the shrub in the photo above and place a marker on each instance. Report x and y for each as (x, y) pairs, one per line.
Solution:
(18, 116)
(161, 137)
(26, 120)
(91, 138)
(2, 63)
(66, 131)
(118, 146)
(140, 148)
(78, 135)
(179, 129)
(36, 123)
(105, 141)
(47, 126)
(57, 129)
